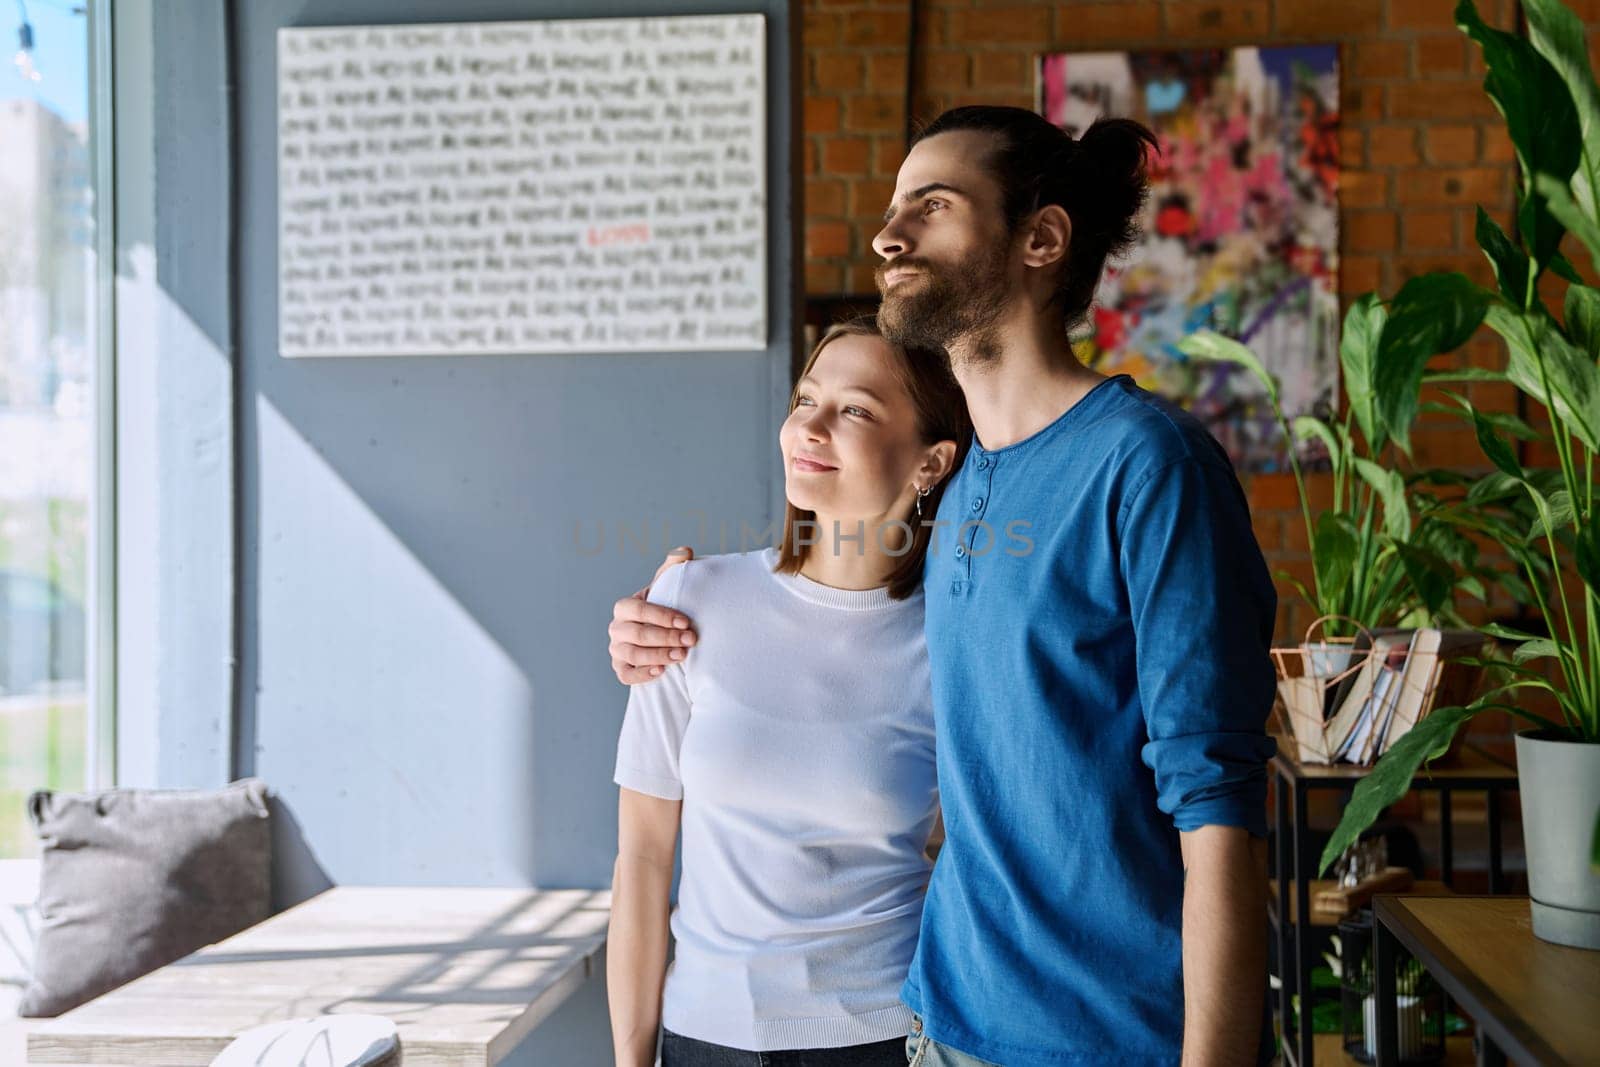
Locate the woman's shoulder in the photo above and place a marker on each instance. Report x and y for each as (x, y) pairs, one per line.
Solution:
(708, 580)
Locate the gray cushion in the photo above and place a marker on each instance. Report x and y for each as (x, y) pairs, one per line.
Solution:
(133, 879)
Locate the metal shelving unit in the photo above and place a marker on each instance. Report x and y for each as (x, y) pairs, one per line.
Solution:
(1295, 862)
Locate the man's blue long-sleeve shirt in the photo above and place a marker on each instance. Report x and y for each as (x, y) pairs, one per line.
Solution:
(1098, 621)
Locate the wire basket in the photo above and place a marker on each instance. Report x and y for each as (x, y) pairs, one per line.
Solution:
(1350, 699)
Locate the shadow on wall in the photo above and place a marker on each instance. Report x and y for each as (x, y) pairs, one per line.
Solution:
(296, 873)
(569, 1037)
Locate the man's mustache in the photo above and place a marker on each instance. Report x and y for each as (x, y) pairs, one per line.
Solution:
(907, 262)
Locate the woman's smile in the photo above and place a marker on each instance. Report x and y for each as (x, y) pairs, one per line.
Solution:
(807, 465)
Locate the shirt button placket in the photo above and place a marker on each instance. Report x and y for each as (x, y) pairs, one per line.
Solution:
(965, 543)
(980, 502)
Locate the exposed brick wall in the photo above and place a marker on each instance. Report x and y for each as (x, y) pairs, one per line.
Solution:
(1422, 147)
(1422, 144)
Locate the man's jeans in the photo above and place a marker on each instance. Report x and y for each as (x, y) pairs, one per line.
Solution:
(923, 1052)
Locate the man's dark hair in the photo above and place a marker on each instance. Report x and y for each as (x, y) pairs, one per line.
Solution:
(1098, 179)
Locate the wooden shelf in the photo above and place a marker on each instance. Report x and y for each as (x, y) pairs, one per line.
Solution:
(1329, 1048)
(1330, 918)
(1468, 763)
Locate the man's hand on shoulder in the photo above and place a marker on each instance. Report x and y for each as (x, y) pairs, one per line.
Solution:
(646, 637)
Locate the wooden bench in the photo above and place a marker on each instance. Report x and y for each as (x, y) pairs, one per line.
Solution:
(465, 974)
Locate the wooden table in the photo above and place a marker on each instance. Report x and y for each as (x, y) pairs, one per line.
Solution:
(465, 974)
(1537, 1002)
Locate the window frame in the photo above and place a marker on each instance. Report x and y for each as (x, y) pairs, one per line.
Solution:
(100, 670)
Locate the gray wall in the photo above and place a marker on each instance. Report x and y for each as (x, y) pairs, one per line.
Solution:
(382, 584)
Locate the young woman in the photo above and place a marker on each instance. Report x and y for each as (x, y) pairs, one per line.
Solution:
(793, 749)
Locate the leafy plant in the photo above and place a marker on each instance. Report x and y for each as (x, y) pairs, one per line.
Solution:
(1381, 553)
(1326, 1011)
(1545, 89)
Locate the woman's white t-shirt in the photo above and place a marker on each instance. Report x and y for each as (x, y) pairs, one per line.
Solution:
(798, 732)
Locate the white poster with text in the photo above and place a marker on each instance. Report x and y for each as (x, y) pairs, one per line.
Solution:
(592, 185)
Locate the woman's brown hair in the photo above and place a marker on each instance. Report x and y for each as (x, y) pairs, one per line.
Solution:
(941, 411)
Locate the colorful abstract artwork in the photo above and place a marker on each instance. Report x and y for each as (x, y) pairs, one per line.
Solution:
(1241, 231)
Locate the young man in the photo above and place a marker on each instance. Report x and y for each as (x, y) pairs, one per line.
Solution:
(1100, 699)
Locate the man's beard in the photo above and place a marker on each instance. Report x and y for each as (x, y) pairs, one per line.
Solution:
(948, 309)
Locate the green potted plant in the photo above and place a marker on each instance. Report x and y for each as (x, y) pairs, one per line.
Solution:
(1545, 89)
(1381, 553)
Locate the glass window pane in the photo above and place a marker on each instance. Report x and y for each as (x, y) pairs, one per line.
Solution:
(47, 278)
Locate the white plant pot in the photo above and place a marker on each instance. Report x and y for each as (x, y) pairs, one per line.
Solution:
(1560, 784)
(1408, 1020)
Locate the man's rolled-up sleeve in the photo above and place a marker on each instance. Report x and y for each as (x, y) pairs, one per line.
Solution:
(1203, 608)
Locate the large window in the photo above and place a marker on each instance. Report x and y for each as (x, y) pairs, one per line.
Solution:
(49, 379)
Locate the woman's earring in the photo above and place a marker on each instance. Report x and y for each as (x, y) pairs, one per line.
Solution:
(921, 493)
